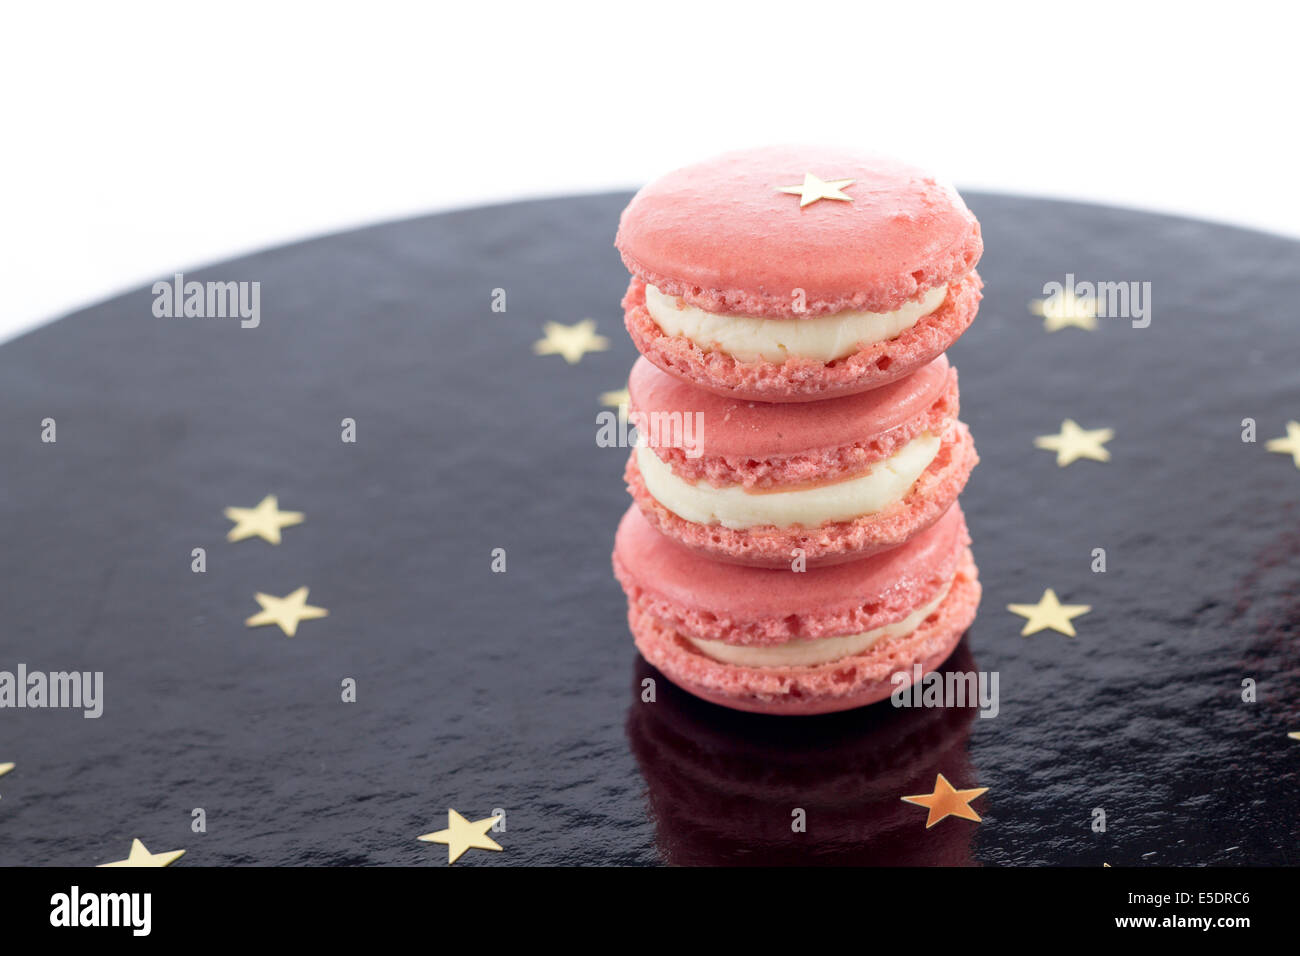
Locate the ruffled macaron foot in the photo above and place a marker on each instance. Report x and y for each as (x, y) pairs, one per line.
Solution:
(803, 379)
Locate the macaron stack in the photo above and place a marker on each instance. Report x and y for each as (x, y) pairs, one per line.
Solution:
(795, 540)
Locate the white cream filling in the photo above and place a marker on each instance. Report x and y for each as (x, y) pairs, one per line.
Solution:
(733, 507)
(824, 338)
(819, 650)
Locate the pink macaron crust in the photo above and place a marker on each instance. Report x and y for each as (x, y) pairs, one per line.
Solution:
(772, 447)
(761, 607)
(801, 379)
(674, 594)
(720, 236)
(763, 445)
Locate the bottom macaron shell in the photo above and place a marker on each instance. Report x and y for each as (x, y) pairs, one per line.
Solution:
(835, 543)
(803, 379)
(837, 685)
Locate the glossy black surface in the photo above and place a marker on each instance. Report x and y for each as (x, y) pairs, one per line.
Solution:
(521, 690)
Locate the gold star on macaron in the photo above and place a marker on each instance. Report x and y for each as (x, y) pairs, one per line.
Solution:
(571, 341)
(814, 189)
(1066, 310)
(1290, 445)
(618, 398)
(1049, 612)
(461, 835)
(5, 768)
(946, 801)
(140, 856)
(1072, 443)
(287, 611)
(264, 521)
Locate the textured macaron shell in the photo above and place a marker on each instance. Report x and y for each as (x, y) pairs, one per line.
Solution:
(762, 444)
(839, 685)
(771, 547)
(757, 606)
(674, 596)
(720, 236)
(803, 379)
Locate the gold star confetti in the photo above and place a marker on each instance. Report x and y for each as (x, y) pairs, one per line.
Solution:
(615, 399)
(264, 521)
(571, 341)
(5, 768)
(1072, 443)
(1294, 735)
(1049, 612)
(462, 835)
(140, 856)
(1066, 310)
(947, 802)
(814, 189)
(1290, 445)
(286, 611)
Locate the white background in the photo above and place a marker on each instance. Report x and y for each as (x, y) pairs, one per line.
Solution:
(143, 139)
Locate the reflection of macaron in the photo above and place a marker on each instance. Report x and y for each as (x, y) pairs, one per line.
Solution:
(722, 784)
(790, 274)
(751, 482)
(786, 642)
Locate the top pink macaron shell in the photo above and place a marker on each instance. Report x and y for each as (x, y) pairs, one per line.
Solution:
(760, 605)
(719, 235)
(735, 427)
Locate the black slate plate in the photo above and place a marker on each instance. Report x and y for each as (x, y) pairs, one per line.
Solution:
(520, 690)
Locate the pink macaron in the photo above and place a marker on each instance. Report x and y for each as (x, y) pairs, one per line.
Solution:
(774, 485)
(792, 274)
(781, 642)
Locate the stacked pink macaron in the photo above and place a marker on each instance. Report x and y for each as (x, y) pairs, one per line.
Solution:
(795, 540)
